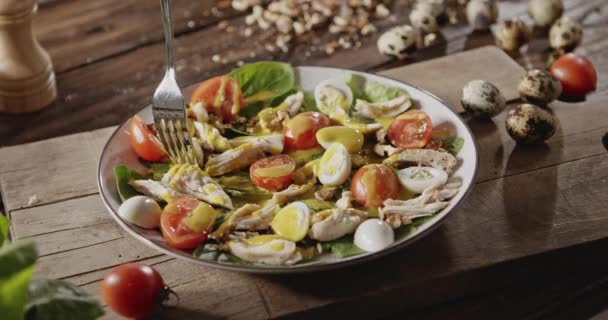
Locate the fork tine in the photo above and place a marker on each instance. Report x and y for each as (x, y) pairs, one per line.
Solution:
(165, 139)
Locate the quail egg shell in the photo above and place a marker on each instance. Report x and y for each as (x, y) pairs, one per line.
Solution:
(400, 41)
(565, 34)
(332, 95)
(374, 235)
(335, 165)
(539, 86)
(530, 124)
(482, 99)
(350, 138)
(418, 179)
(141, 211)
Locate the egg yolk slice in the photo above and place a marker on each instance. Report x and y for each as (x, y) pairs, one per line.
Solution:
(292, 222)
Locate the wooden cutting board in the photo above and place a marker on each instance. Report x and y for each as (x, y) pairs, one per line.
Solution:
(526, 202)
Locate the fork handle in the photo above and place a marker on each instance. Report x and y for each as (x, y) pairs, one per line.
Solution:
(165, 6)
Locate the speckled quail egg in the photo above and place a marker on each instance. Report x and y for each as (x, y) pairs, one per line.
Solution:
(565, 34)
(512, 34)
(374, 235)
(482, 99)
(428, 16)
(400, 42)
(545, 12)
(530, 124)
(539, 87)
(481, 13)
(141, 211)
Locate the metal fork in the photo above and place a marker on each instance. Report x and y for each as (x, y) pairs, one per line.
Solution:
(168, 106)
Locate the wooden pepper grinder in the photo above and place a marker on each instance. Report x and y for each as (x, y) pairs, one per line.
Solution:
(27, 80)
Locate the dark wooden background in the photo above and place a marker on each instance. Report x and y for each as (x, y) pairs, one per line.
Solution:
(109, 57)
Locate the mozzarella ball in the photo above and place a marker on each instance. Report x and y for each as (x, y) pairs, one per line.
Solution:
(400, 42)
(529, 124)
(482, 99)
(545, 12)
(539, 87)
(481, 13)
(512, 34)
(374, 235)
(565, 34)
(141, 211)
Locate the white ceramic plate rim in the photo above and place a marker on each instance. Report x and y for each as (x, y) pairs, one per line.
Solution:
(304, 268)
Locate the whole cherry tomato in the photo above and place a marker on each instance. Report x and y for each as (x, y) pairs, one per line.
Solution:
(576, 73)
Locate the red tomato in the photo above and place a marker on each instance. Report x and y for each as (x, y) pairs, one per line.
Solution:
(144, 141)
(177, 234)
(221, 95)
(273, 173)
(133, 290)
(411, 130)
(300, 131)
(576, 73)
(374, 183)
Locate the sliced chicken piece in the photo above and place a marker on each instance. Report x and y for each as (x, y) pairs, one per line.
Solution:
(273, 252)
(234, 159)
(271, 119)
(381, 136)
(192, 181)
(291, 192)
(384, 150)
(428, 157)
(272, 143)
(332, 224)
(155, 190)
(211, 137)
(258, 219)
(325, 194)
(383, 109)
(346, 201)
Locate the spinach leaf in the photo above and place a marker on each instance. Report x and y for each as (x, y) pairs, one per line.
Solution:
(123, 176)
(309, 103)
(264, 80)
(376, 92)
(4, 228)
(208, 250)
(230, 133)
(17, 261)
(356, 83)
(453, 145)
(343, 247)
(158, 170)
(60, 300)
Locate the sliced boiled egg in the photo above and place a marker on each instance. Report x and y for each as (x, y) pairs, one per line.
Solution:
(141, 211)
(333, 96)
(334, 166)
(268, 249)
(292, 221)
(374, 235)
(350, 138)
(418, 179)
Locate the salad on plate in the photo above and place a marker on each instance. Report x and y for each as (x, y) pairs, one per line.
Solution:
(290, 177)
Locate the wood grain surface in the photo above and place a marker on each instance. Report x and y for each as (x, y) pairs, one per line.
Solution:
(529, 242)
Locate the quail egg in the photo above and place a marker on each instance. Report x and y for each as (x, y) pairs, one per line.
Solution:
(565, 34)
(141, 211)
(428, 16)
(529, 124)
(481, 13)
(374, 235)
(418, 179)
(400, 42)
(540, 87)
(335, 165)
(482, 99)
(545, 12)
(267, 249)
(333, 96)
(292, 221)
(512, 34)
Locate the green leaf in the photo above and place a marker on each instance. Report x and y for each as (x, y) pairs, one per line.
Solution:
(60, 300)
(453, 145)
(252, 109)
(376, 92)
(4, 229)
(208, 250)
(309, 104)
(158, 170)
(17, 261)
(356, 83)
(264, 80)
(123, 176)
(343, 247)
(230, 133)
(318, 205)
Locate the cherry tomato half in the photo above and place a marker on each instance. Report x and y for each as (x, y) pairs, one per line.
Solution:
(221, 95)
(374, 183)
(576, 73)
(144, 141)
(273, 173)
(300, 131)
(133, 290)
(176, 232)
(411, 130)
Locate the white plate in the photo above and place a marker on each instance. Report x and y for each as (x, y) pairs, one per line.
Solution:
(118, 152)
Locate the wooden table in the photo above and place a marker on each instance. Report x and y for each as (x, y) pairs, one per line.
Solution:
(108, 57)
